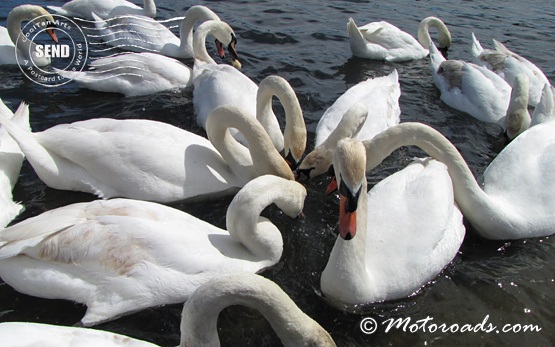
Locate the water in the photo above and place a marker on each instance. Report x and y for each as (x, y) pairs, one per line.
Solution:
(306, 43)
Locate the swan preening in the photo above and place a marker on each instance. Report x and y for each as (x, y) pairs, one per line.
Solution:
(11, 159)
(384, 41)
(104, 8)
(198, 319)
(149, 160)
(518, 196)
(12, 36)
(470, 88)
(394, 239)
(509, 65)
(135, 74)
(143, 34)
(118, 256)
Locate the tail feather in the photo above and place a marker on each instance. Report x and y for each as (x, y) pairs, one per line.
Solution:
(477, 48)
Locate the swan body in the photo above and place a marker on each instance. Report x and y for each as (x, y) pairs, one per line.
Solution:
(104, 8)
(149, 160)
(143, 34)
(135, 74)
(118, 256)
(545, 110)
(198, 319)
(14, 48)
(509, 65)
(394, 239)
(384, 41)
(518, 196)
(11, 159)
(470, 88)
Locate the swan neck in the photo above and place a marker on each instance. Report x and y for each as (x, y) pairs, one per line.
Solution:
(201, 311)
(475, 204)
(192, 16)
(14, 20)
(424, 33)
(149, 7)
(199, 43)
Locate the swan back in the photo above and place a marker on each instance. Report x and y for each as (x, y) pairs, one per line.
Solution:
(200, 312)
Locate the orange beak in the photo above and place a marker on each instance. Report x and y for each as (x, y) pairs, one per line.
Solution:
(52, 34)
(332, 187)
(347, 220)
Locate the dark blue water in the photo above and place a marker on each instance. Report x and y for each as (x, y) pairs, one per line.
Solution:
(306, 43)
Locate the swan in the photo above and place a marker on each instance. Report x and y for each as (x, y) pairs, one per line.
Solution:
(380, 98)
(518, 196)
(11, 159)
(384, 41)
(143, 34)
(104, 8)
(11, 54)
(198, 318)
(508, 65)
(320, 160)
(150, 160)
(393, 239)
(133, 74)
(518, 118)
(119, 256)
(470, 88)
(545, 110)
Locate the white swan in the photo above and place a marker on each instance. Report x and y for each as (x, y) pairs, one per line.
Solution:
(518, 196)
(119, 256)
(320, 159)
(470, 88)
(135, 74)
(104, 8)
(12, 55)
(545, 110)
(198, 319)
(393, 239)
(518, 118)
(508, 65)
(150, 160)
(383, 41)
(143, 34)
(11, 159)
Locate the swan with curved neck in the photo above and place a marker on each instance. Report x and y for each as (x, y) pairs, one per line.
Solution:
(144, 73)
(118, 256)
(24, 49)
(11, 159)
(384, 41)
(517, 200)
(508, 65)
(198, 319)
(104, 8)
(394, 239)
(149, 160)
(518, 118)
(149, 35)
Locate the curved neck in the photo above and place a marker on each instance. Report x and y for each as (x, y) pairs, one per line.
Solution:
(199, 42)
(293, 140)
(517, 118)
(475, 204)
(260, 158)
(149, 7)
(192, 16)
(14, 20)
(201, 311)
(424, 33)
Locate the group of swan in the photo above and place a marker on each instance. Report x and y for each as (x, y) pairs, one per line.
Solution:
(145, 73)
(14, 47)
(198, 319)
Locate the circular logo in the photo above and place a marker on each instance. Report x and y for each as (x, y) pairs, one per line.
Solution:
(368, 325)
(51, 50)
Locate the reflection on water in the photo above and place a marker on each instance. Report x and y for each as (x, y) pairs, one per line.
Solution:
(306, 43)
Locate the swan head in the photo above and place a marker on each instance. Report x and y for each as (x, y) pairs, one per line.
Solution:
(226, 37)
(32, 12)
(444, 39)
(349, 161)
(316, 163)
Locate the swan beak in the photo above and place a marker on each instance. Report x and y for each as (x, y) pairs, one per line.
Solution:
(347, 220)
(332, 187)
(220, 47)
(51, 32)
(291, 161)
(443, 51)
(234, 56)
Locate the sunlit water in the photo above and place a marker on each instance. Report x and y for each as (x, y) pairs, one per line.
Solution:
(306, 43)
